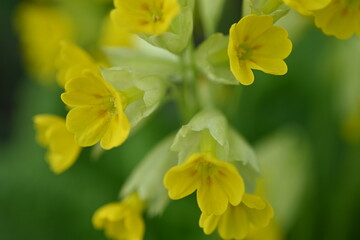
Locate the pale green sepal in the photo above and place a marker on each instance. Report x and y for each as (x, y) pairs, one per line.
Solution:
(187, 140)
(284, 158)
(242, 155)
(275, 8)
(212, 59)
(210, 13)
(177, 37)
(147, 178)
(144, 58)
(153, 87)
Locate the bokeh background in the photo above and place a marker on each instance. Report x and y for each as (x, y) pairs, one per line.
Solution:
(304, 127)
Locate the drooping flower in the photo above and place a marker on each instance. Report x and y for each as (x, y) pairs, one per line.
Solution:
(341, 18)
(307, 6)
(142, 16)
(97, 112)
(52, 133)
(41, 28)
(255, 43)
(121, 220)
(112, 35)
(71, 62)
(235, 222)
(217, 182)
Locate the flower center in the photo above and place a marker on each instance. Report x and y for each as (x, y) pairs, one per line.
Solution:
(111, 104)
(244, 51)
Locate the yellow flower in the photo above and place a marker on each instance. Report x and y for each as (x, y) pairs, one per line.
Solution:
(97, 113)
(121, 220)
(71, 62)
(341, 18)
(270, 232)
(255, 43)
(52, 133)
(114, 35)
(41, 28)
(235, 222)
(306, 6)
(217, 182)
(142, 16)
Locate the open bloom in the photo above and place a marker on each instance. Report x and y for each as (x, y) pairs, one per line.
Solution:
(235, 222)
(97, 112)
(71, 62)
(121, 220)
(142, 16)
(217, 182)
(255, 43)
(52, 133)
(306, 6)
(341, 18)
(40, 30)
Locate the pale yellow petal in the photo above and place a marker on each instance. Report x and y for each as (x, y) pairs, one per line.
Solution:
(269, 65)
(88, 123)
(211, 197)
(273, 43)
(42, 123)
(231, 182)
(254, 201)
(181, 180)
(261, 218)
(234, 223)
(87, 90)
(250, 27)
(63, 150)
(242, 72)
(117, 132)
(208, 223)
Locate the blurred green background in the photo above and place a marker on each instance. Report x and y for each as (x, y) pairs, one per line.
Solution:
(314, 98)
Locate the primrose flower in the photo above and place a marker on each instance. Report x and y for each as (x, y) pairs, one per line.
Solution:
(235, 222)
(307, 6)
(112, 35)
(40, 29)
(52, 133)
(341, 18)
(97, 112)
(71, 62)
(217, 182)
(142, 16)
(121, 220)
(255, 43)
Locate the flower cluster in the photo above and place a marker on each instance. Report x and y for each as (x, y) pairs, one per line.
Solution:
(109, 93)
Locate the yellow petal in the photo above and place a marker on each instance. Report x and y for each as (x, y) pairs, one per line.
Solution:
(232, 183)
(211, 197)
(242, 72)
(117, 131)
(86, 90)
(261, 217)
(234, 223)
(42, 123)
(269, 65)
(63, 150)
(273, 43)
(88, 123)
(208, 223)
(181, 180)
